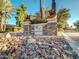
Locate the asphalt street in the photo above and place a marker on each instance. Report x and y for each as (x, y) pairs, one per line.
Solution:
(72, 38)
(73, 35)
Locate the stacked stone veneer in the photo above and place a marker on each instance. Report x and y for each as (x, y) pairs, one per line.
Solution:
(49, 28)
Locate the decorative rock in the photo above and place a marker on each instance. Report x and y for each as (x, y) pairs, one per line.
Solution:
(8, 35)
(31, 40)
(39, 48)
(4, 48)
(35, 58)
(39, 43)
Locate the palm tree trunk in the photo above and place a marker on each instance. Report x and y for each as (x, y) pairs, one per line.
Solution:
(4, 27)
(1, 27)
(4, 23)
(41, 9)
(0, 22)
(53, 6)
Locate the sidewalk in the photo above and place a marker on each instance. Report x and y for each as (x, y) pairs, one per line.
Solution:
(73, 44)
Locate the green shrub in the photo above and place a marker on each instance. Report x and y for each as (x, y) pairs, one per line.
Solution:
(38, 21)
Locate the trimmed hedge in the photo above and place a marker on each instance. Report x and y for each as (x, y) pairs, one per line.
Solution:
(38, 21)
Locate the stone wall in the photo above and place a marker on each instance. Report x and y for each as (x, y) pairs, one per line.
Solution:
(49, 28)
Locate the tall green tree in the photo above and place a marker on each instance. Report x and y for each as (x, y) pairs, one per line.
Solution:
(62, 16)
(21, 15)
(5, 12)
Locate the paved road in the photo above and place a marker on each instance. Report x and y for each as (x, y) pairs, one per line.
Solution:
(72, 38)
(73, 35)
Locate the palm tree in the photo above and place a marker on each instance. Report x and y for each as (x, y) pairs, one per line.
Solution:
(62, 17)
(5, 12)
(53, 7)
(41, 8)
(41, 13)
(21, 15)
(63, 14)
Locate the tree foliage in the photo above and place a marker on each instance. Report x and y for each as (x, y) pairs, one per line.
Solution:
(76, 24)
(21, 15)
(62, 16)
(5, 13)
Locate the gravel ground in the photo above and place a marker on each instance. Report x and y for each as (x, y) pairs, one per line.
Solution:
(37, 48)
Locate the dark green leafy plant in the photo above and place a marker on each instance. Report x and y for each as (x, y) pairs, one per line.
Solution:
(38, 21)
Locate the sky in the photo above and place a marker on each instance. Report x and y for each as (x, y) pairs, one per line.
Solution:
(33, 7)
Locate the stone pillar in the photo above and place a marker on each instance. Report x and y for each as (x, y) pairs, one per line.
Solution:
(52, 26)
(26, 26)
